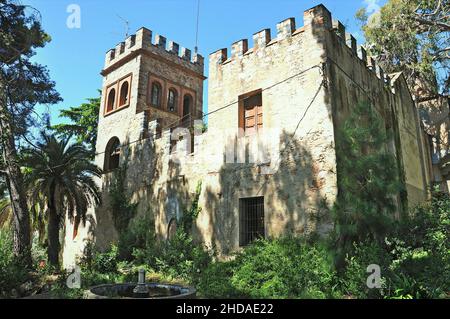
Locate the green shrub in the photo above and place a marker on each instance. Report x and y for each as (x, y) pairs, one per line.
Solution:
(421, 251)
(354, 276)
(215, 281)
(12, 272)
(280, 268)
(181, 258)
(101, 262)
(137, 242)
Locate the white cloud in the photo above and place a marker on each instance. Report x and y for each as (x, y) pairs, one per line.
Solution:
(372, 6)
(373, 9)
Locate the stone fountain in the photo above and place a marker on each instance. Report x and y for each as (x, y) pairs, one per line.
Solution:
(140, 290)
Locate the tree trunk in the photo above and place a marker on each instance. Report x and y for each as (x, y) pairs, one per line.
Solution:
(14, 178)
(53, 231)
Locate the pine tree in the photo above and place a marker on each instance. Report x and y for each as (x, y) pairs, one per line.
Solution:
(368, 179)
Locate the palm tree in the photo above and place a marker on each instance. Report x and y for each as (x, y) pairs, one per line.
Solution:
(5, 213)
(60, 175)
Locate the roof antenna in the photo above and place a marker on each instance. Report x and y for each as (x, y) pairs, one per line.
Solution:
(127, 26)
(196, 31)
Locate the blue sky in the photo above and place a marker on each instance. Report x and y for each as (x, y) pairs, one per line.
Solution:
(75, 57)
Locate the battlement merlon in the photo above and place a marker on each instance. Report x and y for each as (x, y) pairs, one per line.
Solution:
(141, 42)
(318, 16)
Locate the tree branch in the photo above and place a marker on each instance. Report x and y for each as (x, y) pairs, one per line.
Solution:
(441, 25)
(430, 98)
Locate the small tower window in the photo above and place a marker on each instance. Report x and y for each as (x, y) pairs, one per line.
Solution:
(172, 100)
(110, 103)
(187, 105)
(124, 91)
(156, 94)
(112, 155)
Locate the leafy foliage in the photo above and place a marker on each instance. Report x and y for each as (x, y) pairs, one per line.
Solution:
(84, 122)
(180, 257)
(191, 214)
(279, 268)
(123, 209)
(354, 275)
(412, 36)
(421, 250)
(138, 241)
(12, 271)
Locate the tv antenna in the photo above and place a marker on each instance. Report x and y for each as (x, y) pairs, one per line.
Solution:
(196, 30)
(127, 26)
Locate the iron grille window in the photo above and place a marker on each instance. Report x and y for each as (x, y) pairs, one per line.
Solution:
(251, 219)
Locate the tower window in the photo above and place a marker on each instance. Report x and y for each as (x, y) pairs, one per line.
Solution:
(156, 94)
(251, 220)
(187, 105)
(172, 100)
(118, 95)
(112, 155)
(111, 101)
(251, 113)
(124, 91)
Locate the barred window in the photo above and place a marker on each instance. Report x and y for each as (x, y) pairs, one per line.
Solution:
(251, 220)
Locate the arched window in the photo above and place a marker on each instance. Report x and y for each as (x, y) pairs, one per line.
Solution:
(172, 229)
(156, 94)
(187, 104)
(110, 103)
(124, 93)
(112, 155)
(172, 100)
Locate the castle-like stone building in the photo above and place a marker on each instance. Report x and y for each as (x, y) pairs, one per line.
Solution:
(267, 162)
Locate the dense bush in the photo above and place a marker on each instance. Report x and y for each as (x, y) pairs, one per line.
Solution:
(137, 242)
(280, 268)
(12, 272)
(180, 257)
(421, 251)
(414, 260)
(353, 278)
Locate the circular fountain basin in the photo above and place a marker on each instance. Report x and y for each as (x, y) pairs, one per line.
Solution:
(155, 291)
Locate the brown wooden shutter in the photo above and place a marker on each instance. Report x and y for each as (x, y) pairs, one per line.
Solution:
(253, 114)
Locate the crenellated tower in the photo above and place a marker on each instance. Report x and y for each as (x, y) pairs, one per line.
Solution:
(146, 79)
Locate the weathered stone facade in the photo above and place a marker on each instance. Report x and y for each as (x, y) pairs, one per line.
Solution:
(307, 80)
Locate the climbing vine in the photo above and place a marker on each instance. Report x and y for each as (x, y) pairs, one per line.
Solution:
(191, 214)
(123, 210)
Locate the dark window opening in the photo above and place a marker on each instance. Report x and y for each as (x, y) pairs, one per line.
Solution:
(111, 100)
(251, 220)
(187, 105)
(156, 94)
(112, 155)
(124, 93)
(172, 100)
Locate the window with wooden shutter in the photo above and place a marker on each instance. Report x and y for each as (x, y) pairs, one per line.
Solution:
(251, 113)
